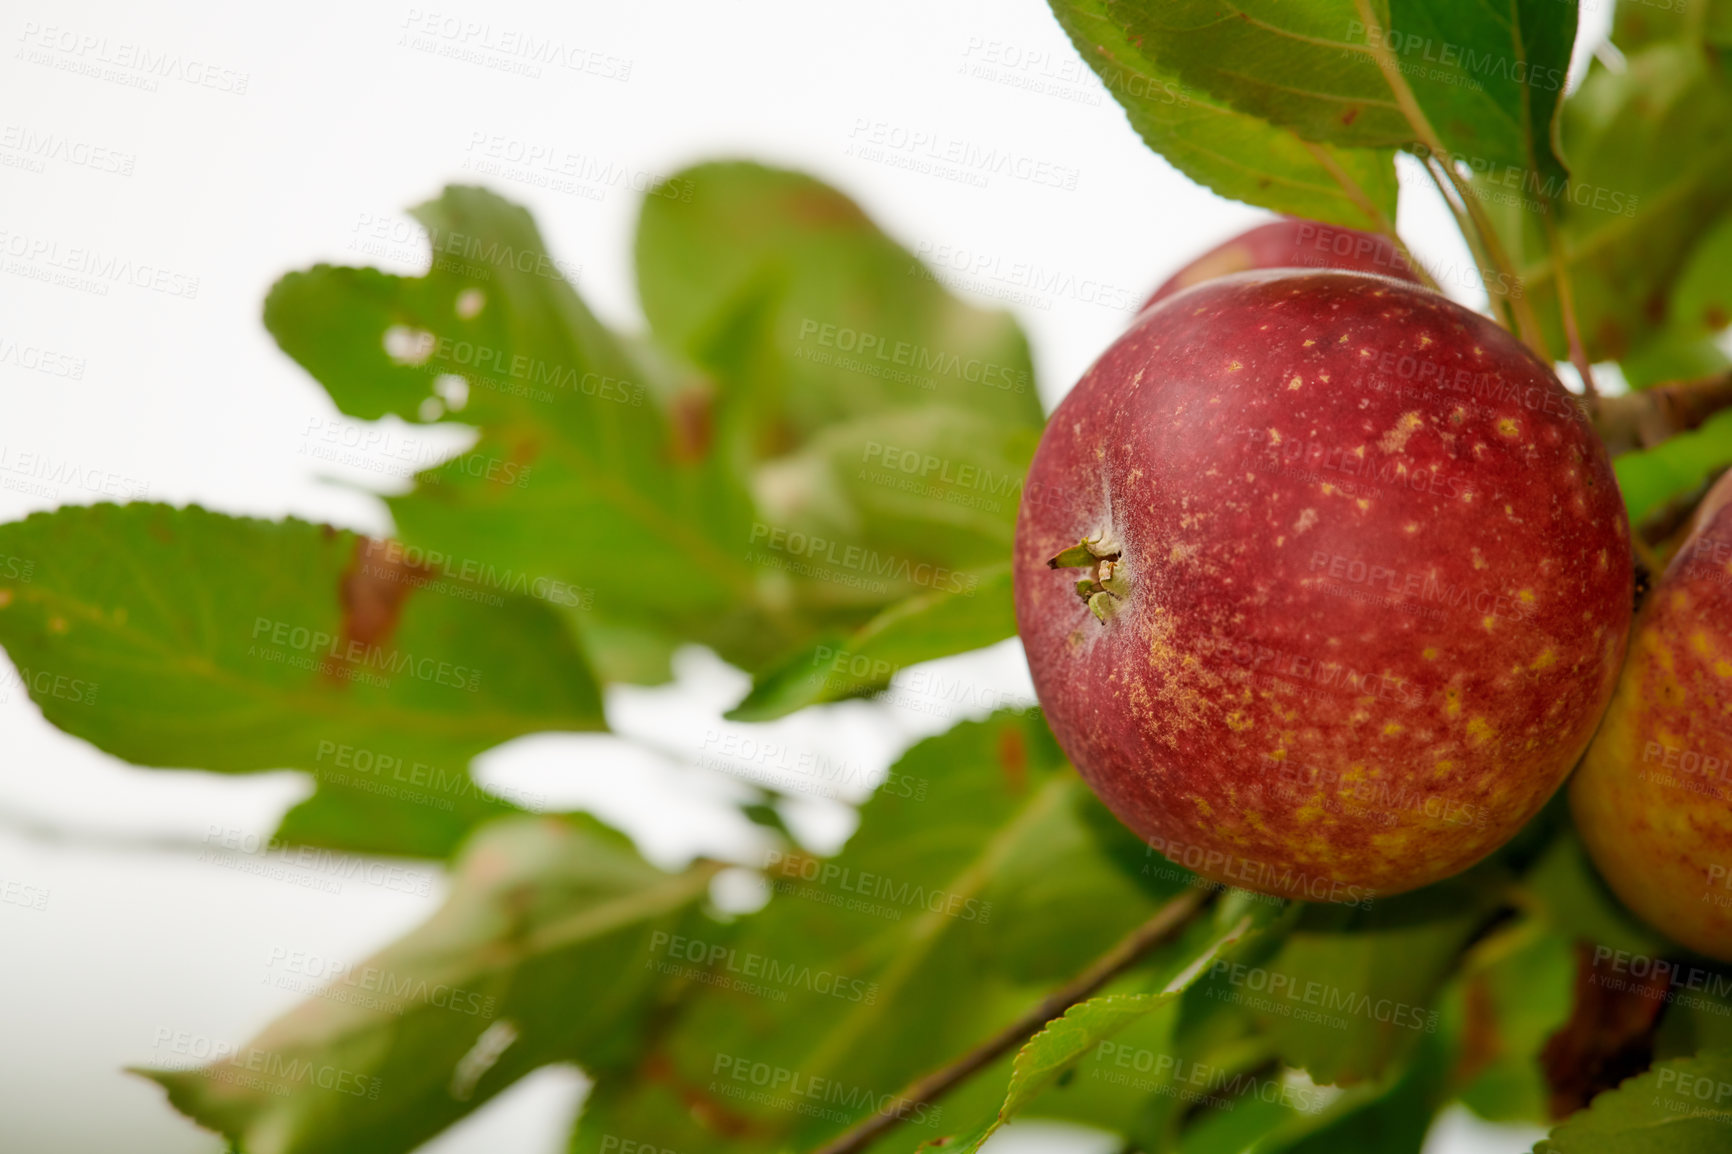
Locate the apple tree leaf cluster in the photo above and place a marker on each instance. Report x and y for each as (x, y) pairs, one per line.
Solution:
(809, 461)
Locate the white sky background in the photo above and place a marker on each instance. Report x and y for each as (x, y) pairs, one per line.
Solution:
(339, 129)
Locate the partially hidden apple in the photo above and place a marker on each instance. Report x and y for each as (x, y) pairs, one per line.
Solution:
(1324, 582)
(1653, 798)
(1292, 243)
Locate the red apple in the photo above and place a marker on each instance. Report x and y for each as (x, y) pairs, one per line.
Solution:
(1293, 243)
(1324, 582)
(1651, 799)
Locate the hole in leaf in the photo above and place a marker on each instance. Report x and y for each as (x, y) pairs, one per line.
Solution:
(452, 389)
(408, 346)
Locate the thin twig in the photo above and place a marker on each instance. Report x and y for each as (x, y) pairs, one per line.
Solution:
(1567, 309)
(1167, 921)
(1527, 325)
(1499, 302)
(1649, 417)
(1362, 200)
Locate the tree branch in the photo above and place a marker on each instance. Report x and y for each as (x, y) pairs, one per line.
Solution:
(1527, 325)
(1501, 308)
(1167, 921)
(1648, 417)
(1365, 204)
(1567, 310)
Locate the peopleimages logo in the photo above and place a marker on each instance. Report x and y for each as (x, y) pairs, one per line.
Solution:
(102, 268)
(107, 59)
(941, 470)
(358, 654)
(1260, 876)
(918, 358)
(810, 547)
(802, 1092)
(719, 961)
(1284, 990)
(1464, 59)
(329, 975)
(267, 1070)
(829, 875)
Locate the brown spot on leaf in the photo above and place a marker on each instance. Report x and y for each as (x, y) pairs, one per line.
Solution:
(712, 1114)
(1480, 1043)
(691, 424)
(777, 436)
(372, 591)
(1610, 1034)
(1610, 335)
(1715, 317)
(1013, 758)
(822, 206)
(1350, 116)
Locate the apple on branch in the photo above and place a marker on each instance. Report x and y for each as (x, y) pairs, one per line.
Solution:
(1651, 798)
(1293, 243)
(1324, 581)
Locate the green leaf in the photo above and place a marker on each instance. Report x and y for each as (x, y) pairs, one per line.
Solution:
(1352, 990)
(1395, 1119)
(1218, 145)
(1058, 1046)
(1569, 895)
(1640, 22)
(806, 315)
(593, 479)
(1677, 1107)
(1523, 984)
(920, 628)
(937, 483)
(538, 956)
(1648, 479)
(930, 926)
(1650, 153)
(1266, 1111)
(1488, 77)
(1288, 1114)
(1664, 359)
(731, 485)
(885, 424)
(408, 811)
(1699, 1016)
(1700, 304)
(1480, 81)
(183, 638)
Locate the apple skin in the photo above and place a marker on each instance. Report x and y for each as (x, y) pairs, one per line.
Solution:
(1651, 797)
(1292, 243)
(1372, 615)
